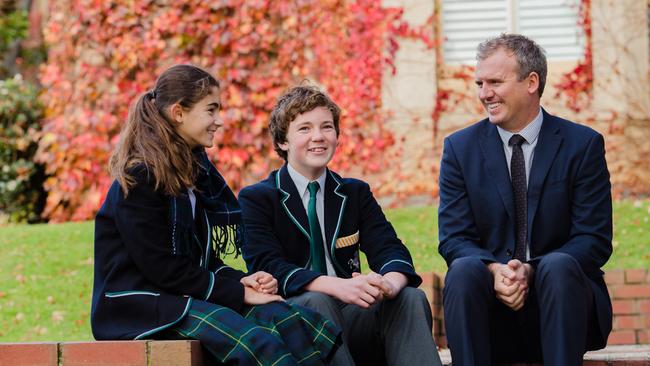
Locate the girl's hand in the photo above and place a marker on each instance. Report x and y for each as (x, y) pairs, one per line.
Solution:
(261, 282)
(253, 297)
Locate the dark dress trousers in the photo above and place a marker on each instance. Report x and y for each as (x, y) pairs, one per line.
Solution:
(569, 222)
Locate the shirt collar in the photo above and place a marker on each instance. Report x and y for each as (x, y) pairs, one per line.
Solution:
(301, 182)
(530, 132)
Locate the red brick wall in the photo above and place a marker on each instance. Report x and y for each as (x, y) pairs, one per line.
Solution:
(629, 290)
(432, 284)
(133, 353)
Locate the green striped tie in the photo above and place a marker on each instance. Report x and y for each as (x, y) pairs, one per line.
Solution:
(316, 242)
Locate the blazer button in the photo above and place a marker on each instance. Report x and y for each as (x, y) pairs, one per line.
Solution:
(509, 252)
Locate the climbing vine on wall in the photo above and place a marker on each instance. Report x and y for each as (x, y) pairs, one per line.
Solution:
(103, 54)
(576, 86)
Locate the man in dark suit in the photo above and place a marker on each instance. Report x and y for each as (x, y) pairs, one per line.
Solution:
(306, 224)
(525, 222)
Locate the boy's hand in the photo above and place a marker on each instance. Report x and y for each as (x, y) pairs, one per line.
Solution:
(359, 290)
(261, 282)
(390, 283)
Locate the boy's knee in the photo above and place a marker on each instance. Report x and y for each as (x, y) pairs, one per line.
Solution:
(414, 301)
(412, 295)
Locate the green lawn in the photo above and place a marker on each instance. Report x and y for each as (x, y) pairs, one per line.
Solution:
(46, 270)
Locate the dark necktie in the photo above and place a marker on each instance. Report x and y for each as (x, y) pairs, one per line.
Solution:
(518, 178)
(316, 242)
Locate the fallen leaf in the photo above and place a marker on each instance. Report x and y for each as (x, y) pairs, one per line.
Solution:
(57, 316)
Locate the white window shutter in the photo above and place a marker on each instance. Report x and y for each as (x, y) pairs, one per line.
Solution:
(465, 24)
(553, 24)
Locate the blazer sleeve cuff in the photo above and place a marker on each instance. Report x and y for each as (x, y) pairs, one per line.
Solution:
(404, 267)
(294, 281)
(229, 272)
(226, 292)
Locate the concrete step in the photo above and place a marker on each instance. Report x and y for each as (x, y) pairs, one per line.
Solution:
(619, 355)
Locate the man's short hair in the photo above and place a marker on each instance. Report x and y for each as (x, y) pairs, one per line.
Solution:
(530, 56)
(297, 100)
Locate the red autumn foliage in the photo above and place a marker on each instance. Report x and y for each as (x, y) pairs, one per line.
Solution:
(102, 54)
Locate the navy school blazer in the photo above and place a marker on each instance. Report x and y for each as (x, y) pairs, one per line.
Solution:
(143, 282)
(277, 232)
(569, 201)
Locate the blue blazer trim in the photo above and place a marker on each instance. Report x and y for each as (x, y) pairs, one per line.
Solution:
(158, 329)
(338, 221)
(207, 253)
(395, 261)
(130, 293)
(302, 229)
(210, 287)
(286, 279)
(286, 209)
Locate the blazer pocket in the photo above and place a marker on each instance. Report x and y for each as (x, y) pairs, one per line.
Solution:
(347, 241)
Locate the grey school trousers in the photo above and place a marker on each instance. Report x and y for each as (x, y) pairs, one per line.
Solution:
(392, 332)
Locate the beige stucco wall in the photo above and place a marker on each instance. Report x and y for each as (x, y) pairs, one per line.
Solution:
(622, 90)
(620, 107)
(409, 94)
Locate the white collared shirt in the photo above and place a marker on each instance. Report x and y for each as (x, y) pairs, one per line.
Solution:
(301, 185)
(531, 134)
(192, 196)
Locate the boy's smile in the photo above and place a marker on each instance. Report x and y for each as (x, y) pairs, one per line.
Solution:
(311, 142)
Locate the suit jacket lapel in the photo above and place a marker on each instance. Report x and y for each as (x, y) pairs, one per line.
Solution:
(548, 143)
(495, 161)
(334, 209)
(291, 201)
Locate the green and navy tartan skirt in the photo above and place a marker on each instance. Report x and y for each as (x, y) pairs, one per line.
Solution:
(271, 334)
